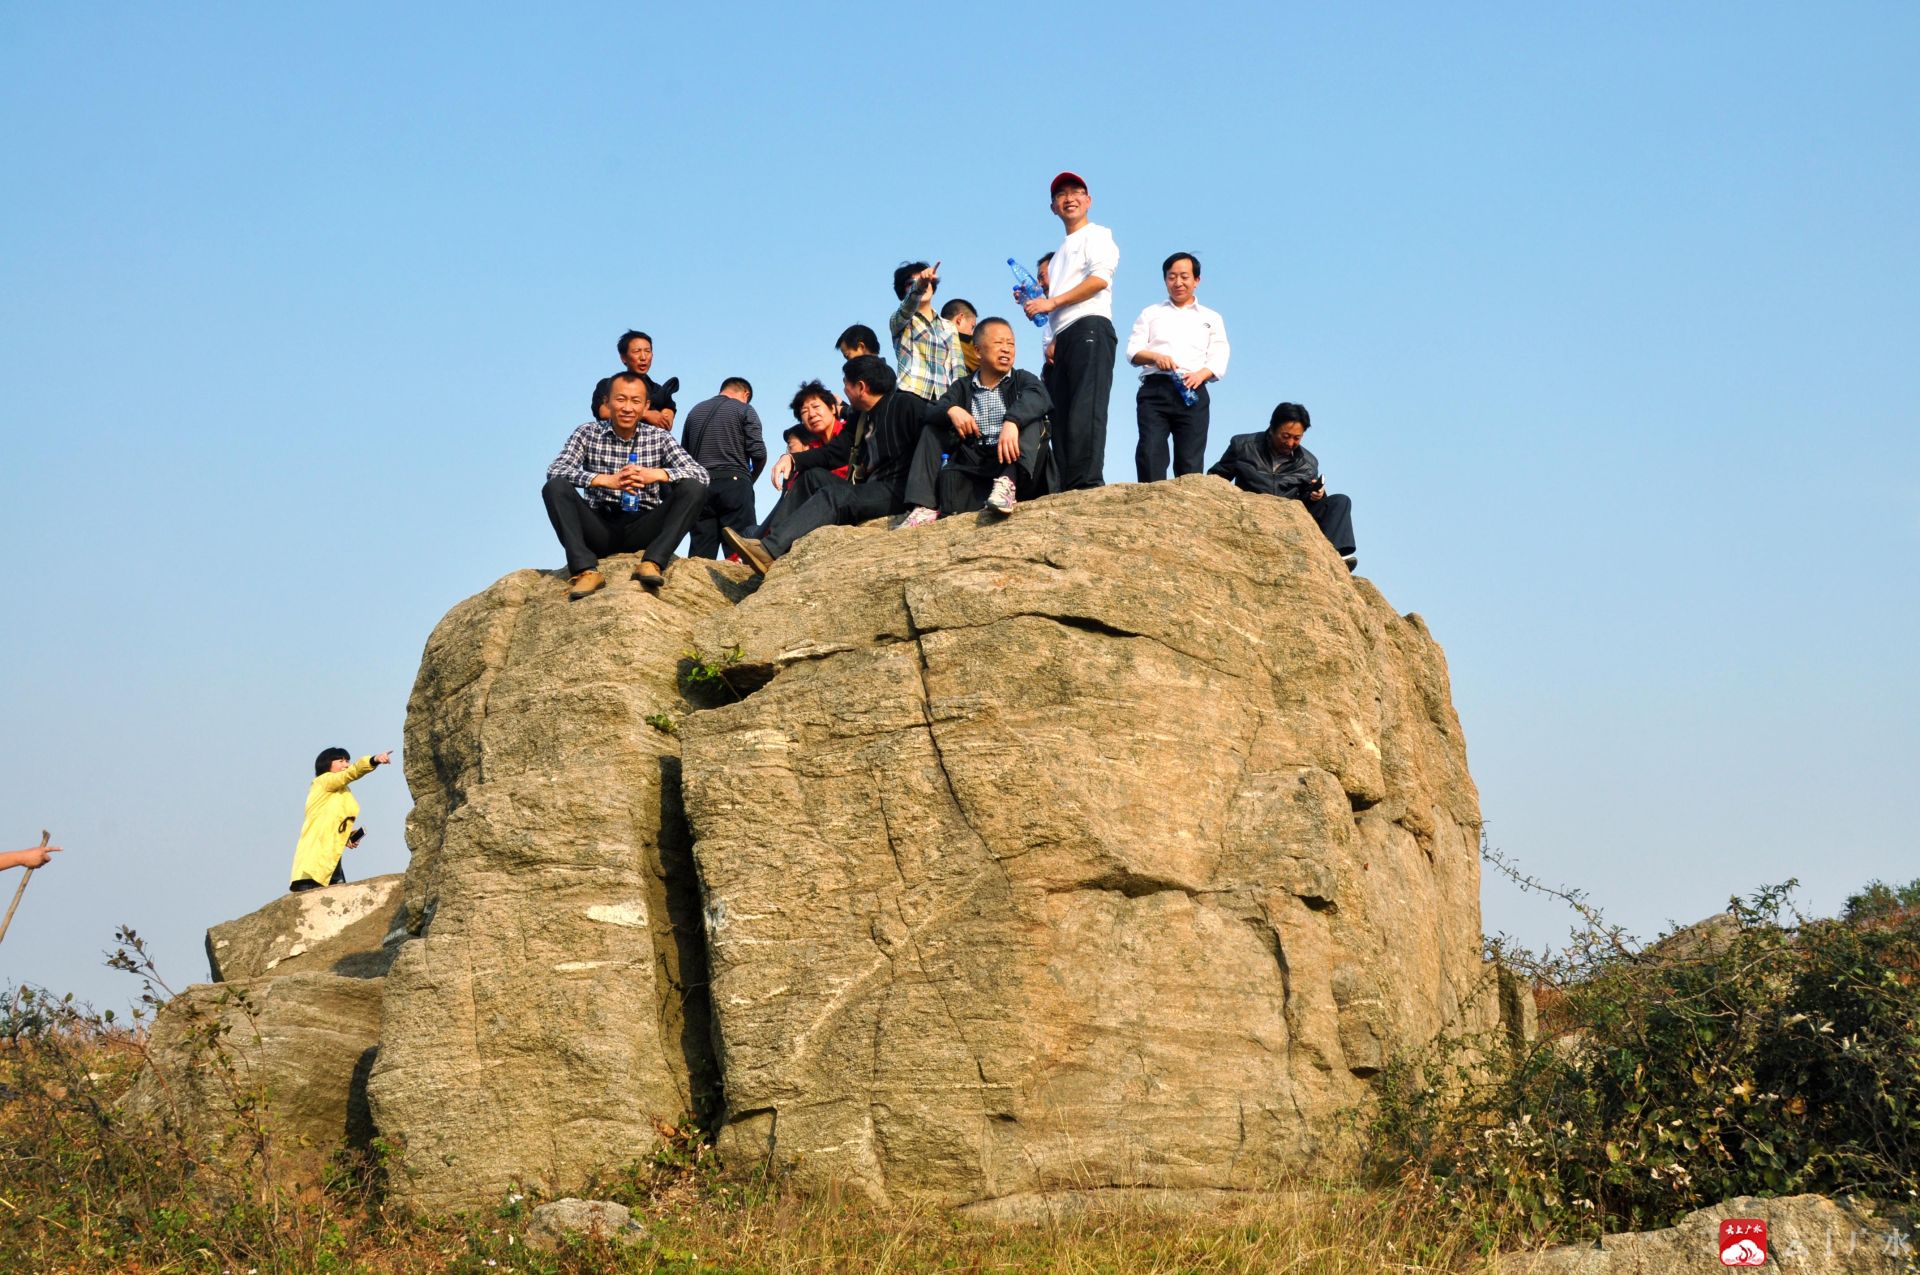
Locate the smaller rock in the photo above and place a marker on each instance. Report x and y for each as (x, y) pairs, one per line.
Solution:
(350, 930)
(1805, 1233)
(1701, 941)
(594, 1219)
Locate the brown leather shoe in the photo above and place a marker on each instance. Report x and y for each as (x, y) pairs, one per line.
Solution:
(585, 583)
(751, 551)
(650, 575)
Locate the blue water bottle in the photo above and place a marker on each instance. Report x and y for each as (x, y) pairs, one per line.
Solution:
(630, 500)
(1027, 288)
(1187, 396)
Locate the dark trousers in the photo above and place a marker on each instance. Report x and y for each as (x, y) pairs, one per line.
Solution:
(587, 532)
(729, 503)
(308, 883)
(1082, 382)
(1334, 514)
(1162, 415)
(800, 489)
(835, 504)
(962, 484)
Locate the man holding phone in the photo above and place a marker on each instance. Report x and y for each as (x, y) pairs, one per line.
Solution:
(1275, 464)
(928, 354)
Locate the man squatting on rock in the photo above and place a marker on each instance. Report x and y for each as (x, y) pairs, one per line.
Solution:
(878, 448)
(992, 426)
(668, 483)
(1079, 309)
(1275, 464)
(1175, 340)
(724, 436)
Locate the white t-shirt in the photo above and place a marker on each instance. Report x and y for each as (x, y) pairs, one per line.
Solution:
(1088, 251)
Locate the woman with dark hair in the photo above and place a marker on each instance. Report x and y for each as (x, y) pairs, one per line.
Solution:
(332, 810)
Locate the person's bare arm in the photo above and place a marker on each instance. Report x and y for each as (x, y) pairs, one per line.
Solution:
(1087, 287)
(31, 857)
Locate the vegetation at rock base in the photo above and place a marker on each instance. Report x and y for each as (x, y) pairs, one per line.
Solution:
(1765, 1054)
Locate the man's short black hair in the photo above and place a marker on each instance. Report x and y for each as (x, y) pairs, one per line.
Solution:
(601, 392)
(859, 335)
(618, 377)
(1180, 256)
(813, 389)
(1043, 261)
(903, 276)
(988, 322)
(738, 383)
(959, 305)
(1289, 412)
(871, 371)
(628, 338)
(324, 762)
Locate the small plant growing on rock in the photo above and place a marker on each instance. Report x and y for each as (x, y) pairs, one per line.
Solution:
(662, 723)
(698, 673)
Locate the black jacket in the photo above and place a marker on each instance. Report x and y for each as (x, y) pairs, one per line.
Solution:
(878, 445)
(1026, 398)
(1251, 465)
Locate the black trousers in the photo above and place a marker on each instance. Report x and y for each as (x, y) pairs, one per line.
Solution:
(836, 504)
(308, 883)
(800, 489)
(962, 485)
(1082, 382)
(729, 503)
(1162, 415)
(1334, 515)
(586, 533)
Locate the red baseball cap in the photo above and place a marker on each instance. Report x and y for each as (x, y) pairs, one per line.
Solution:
(1067, 179)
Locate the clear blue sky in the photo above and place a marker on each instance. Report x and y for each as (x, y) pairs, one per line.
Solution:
(1607, 316)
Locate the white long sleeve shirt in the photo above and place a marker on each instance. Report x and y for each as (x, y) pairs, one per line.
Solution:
(1195, 336)
(1086, 252)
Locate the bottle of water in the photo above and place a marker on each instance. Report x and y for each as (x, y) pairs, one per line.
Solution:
(630, 500)
(1027, 288)
(1187, 395)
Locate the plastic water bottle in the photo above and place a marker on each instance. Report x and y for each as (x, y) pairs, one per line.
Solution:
(1187, 396)
(1027, 288)
(630, 500)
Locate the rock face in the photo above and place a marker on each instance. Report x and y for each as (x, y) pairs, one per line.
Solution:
(348, 929)
(303, 1042)
(537, 1028)
(1113, 845)
(1805, 1233)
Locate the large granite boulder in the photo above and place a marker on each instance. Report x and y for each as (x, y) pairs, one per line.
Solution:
(549, 1014)
(348, 929)
(284, 1059)
(1805, 1233)
(1115, 844)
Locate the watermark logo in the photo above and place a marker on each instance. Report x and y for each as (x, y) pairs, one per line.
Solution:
(1743, 1242)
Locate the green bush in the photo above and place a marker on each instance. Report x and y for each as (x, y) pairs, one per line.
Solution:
(1756, 1056)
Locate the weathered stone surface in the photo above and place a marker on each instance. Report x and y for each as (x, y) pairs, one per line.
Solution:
(304, 1042)
(348, 929)
(1805, 1233)
(539, 1025)
(1112, 846)
(590, 1219)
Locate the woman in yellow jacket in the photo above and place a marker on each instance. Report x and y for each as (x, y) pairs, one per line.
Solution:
(331, 811)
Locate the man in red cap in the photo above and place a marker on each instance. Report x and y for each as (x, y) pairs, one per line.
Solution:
(1079, 309)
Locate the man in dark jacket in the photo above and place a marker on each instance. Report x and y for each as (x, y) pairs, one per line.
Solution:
(1275, 464)
(991, 424)
(878, 449)
(723, 433)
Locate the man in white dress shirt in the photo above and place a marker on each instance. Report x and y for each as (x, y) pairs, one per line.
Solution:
(1079, 306)
(1177, 342)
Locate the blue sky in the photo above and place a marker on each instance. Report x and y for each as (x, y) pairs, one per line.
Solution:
(1606, 315)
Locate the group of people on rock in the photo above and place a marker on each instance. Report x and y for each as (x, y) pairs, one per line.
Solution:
(947, 425)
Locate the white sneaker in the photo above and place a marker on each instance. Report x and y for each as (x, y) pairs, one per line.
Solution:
(1001, 499)
(919, 516)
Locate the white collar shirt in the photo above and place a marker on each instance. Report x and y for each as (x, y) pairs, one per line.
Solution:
(1195, 336)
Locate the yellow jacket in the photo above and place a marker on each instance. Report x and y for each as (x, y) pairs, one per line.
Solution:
(331, 812)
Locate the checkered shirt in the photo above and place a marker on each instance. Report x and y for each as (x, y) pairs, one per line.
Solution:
(595, 449)
(927, 353)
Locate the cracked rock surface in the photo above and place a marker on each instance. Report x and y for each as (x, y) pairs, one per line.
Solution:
(1114, 845)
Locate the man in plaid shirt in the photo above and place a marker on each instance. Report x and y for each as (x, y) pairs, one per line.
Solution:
(609, 459)
(927, 352)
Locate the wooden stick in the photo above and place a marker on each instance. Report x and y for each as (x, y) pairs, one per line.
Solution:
(19, 890)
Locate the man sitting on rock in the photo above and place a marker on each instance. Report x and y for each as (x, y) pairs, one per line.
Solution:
(878, 449)
(992, 428)
(1275, 464)
(610, 459)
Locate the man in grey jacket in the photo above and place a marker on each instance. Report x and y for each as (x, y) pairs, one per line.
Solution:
(724, 434)
(1275, 464)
